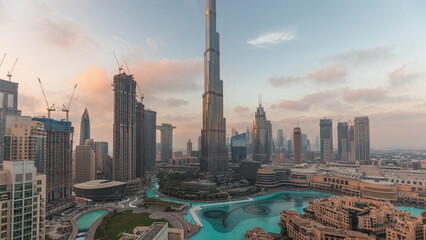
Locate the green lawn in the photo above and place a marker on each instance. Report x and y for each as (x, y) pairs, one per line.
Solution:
(123, 222)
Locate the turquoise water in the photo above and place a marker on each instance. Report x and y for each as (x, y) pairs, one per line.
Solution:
(86, 220)
(231, 220)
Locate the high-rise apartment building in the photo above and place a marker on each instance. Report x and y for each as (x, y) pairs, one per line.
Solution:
(297, 145)
(189, 148)
(107, 167)
(214, 154)
(22, 201)
(84, 163)
(8, 106)
(343, 141)
(149, 139)
(166, 133)
(59, 142)
(25, 139)
(84, 127)
(238, 147)
(261, 136)
(124, 129)
(326, 139)
(140, 166)
(280, 141)
(362, 138)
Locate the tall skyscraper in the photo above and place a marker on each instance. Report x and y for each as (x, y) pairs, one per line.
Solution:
(297, 145)
(280, 141)
(166, 130)
(343, 141)
(326, 139)
(140, 166)
(214, 155)
(261, 129)
(189, 148)
(23, 201)
(149, 139)
(101, 149)
(124, 129)
(84, 127)
(107, 167)
(59, 145)
(84, 163)
(25, 140)
(8, 106)
(271, 146)
(352, 155)
(362, 138)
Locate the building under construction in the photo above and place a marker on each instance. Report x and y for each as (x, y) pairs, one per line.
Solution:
(59, 145)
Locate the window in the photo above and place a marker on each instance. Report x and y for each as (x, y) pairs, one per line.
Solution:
(18, 195)
(19, 187)
(3, 188)
(4, 213)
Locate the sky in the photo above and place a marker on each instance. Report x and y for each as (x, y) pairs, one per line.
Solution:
(308, 60)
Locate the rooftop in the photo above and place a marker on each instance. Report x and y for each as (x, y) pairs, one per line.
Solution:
(98, 184)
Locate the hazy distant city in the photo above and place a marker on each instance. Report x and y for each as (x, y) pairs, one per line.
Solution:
(194, 120)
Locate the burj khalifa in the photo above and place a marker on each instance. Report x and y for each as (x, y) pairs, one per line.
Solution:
(214, 154)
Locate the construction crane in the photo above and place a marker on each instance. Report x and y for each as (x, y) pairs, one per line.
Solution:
(140, 93)
(127, 67)
(49, 108)
(1, 63)
(120, 67)
(9, 73)
(67, 108)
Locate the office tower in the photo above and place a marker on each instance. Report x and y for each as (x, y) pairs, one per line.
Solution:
(297, 145)
(189, 148)
(214, 155)
(352, 155)
(249, 141)
(271, 147)
(124, 129)
(149, 139)
(22, 203)
(140, 166)
(290, 146)
(25, 140)
(305, 146)
(8, 106)
(84, 163)
(107, 167)
(261, 131)
(238, 147)
(59, 142)
(84, 127)
(101, 149)
(166, 131)
(280, 141)
(362, 138)
(326, 139)
(343, 141)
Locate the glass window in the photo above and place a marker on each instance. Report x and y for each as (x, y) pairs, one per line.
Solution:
(3, 188)
(19, 187)
(10, 101)
(1, 99)
(4, 213)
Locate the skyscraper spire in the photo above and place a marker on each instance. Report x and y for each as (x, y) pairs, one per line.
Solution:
(214, 157)
(84, 127)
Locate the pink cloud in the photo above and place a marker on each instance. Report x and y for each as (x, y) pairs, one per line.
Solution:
(278, 81)
(329, 74)
(241, 109)
(401, 76)
(291, 105)
(364, 95)
(94, 80)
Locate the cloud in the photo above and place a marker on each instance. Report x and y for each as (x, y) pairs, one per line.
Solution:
(278, 81)
(364, 55)
(169, 76)
(365, 95)
(270, 39)
(291, 105)
(175, 102)
(176, 118)
(329, 74)
(58, 30)
(401, 76)
(241, 109)
(154, 42)
(94, 80)
(319, 97)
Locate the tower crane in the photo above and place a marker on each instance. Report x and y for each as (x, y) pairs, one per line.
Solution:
(67, 108)
(120, 67)
(1, 63)
(140, 93)
(9, 73)
(49, 108)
